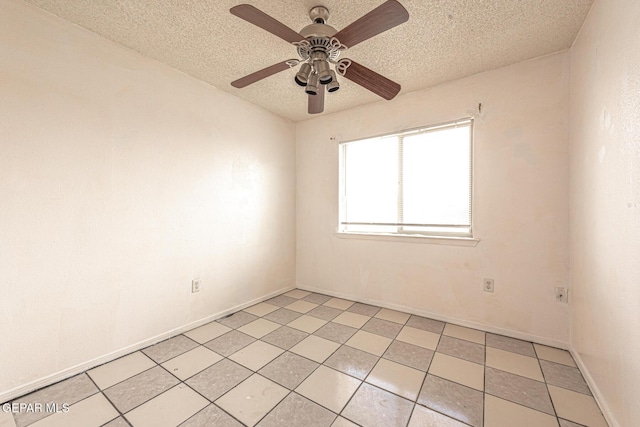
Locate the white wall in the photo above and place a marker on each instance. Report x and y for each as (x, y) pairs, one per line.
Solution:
(605, 205)
(122, 179)
(520, 208)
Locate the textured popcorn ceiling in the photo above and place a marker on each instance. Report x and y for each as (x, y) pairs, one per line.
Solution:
(442, 41)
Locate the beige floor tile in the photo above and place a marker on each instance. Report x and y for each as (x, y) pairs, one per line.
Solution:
(502, 413)
(425, 417)
(256, 355)
(351, 319)
(339, 303)
(168, 409)
(397, 378)
(424, 339)
(343, 422)
(259, 328)
(207, 332)
(297, 293)
(6, 419)
(261, 309)
(518, 364)
(93, 411)
(393, 316)
(554, 355)
(463, 333)
(576, 407)
(371, 343)
(263, 395)
(119, 370)
(329, 388)
(307, 324)
(458, 370)
(190, 363)
(301, 306)
(315, 348)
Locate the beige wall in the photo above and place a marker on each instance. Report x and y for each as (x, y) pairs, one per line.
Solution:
(122, 179)
(605, 205)
(520, 210)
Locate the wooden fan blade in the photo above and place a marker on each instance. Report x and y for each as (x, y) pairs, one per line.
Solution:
(369, 79)
(382, 18)
(261, 74)
(264, 21)
(316, 102)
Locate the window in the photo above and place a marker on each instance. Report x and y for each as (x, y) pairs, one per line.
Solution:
(413, 182)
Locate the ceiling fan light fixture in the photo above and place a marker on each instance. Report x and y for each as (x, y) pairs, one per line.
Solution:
(302, 76)
(333, 85)
(312, 84)
(324, 71)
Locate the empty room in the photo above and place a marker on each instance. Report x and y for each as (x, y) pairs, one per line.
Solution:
(381, 213)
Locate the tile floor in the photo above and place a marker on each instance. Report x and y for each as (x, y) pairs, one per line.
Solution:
(306, 359)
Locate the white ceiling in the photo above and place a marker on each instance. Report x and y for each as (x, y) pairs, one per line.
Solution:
(443, 40)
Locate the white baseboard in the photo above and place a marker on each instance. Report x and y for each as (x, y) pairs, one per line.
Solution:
(77, 369)
(444, 318)
(597, 394)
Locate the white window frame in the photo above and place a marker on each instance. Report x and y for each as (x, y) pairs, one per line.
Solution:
(456, 232)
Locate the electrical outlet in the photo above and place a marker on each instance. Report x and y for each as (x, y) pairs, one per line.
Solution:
(562, 295)
(487, 285)
(195, 285)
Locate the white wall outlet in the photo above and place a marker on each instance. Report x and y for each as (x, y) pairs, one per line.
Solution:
(487, 285)
(562, 295)
(195, 285)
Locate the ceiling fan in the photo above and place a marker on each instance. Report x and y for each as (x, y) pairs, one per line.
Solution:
(319, 46)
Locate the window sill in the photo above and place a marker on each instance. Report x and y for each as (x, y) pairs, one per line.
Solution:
(408, 238)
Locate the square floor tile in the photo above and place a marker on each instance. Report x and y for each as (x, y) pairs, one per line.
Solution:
(261, 309)
(315, 348)
(211, 416)
(229, 343)
(190, 363)
(7, 420)
(263, 395)
(325, 313)
(510, 344)
(329, 388)
(374, 407)
(118, 422)
(335, 332)
(352, 361)
(409, 354)
(564, 376)
(120, 369)
(425, 324)
(282, 316)
(317, 298)
(307, 324)
(351, 319)
(458, 370)
(343, 422)
(259, 328)
(285, 337)
(425, 417)
(365, 309)
(256, 355)
(461, 349)
(517, 389)
(169, 409)
(515, 363)
(565, 423)
(168, 349)
(216, 380)
(502, 413)
(393, 316)
(576, 407)
(452, 399)
(281, 300)
(339, 303)
(463, 333)
(93, 411)
(297, 293)
(237, 320)
(554, 355)
(296, 410)
(289, 370)
(207, 332)
(130, 393)
(301, 306)
(382, 327)
(397, 378)
(424, 339)
(371, 343)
